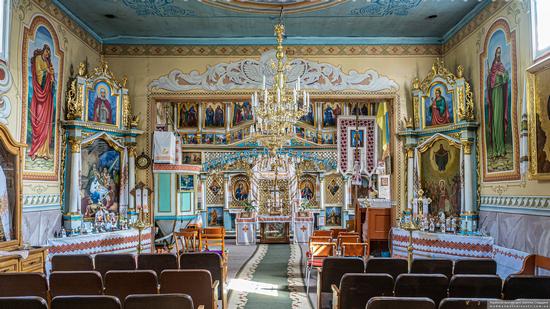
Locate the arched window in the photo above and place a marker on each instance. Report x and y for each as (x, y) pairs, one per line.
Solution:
(4, 28)
(540, 15)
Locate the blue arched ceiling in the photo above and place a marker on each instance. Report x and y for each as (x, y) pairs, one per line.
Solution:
(222, 21)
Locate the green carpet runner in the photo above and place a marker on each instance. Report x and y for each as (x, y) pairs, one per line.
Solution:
(271, 277)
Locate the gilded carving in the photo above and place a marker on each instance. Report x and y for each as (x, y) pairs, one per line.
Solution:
(467, 146)
(438, 70)
(465, 104)
(74, 101)
(75, 144)
(460, 71)
(416, 111)
(126, 117)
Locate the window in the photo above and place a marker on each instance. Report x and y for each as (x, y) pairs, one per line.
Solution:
(540, 12)
(4, 28)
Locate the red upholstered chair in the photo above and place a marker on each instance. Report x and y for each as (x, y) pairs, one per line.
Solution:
(72, 262)
(318, 251)
(23, 302)
(63, 283)
(356, 290)
(121, 283)
(433, 286)
(475, 267)
(23, 284)
(86, 302)
(400, 303)
(476, 286)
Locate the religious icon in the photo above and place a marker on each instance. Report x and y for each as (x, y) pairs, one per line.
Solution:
(333, 216)
(215, 216)
(328, 138)
(186, 182)
(188, 115)
(333, 187)
(191, 158)
(361, 108)
(309, 118)
(100, 179)
(220, 139)
(242, 111)
(357, 138)
(499, 105)
(102, 105)
(215, 188)
(439, 106)
(208, 138)
(240, 191)
(331, 111)
(441, 157)
(307, 189)
(214, 115)
(300, 132)
(5, 212)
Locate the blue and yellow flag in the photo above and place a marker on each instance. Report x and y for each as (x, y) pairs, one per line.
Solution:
(383, 122)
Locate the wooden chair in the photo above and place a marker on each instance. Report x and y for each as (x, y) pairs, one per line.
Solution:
(336, 231)
(196, 283)
(322, 233)
(355, 249)
(213, 263)
(355, 290)
(385, 302)
(475, 286)
(157, 262)
(162, 301)
(188, 240)
(433, 286)
(213, 237)
(475, 267)
(320, 239)
(72, 262)
(432, 266)
(121, 283)
(347, 239)
(64, 283)
(318, 251)
(23, 302)
(86, 302)
(533, 263)
(526, 287)
(392, 266)
(105, 262)
(23, 284)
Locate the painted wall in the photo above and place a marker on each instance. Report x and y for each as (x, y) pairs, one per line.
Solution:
(41, 199)
(143, 68)
(515, 212)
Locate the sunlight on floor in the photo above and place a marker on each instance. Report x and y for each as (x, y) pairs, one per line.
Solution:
(253, 287)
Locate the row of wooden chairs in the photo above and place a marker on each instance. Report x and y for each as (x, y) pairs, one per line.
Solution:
(384, 302)
(197, 283)
(212, 262)
(137, 301)
(200, 239)
(358, 286)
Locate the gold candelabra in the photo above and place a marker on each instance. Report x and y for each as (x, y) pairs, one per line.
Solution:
(411, 224)
(141, 195)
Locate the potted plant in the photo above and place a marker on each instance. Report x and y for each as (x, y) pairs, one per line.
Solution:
(248, 208)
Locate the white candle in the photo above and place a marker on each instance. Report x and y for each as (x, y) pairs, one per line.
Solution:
(263, 82)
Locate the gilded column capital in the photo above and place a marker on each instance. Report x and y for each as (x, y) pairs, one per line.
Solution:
(410, 152)
(467, 145)
(75, 144)
(131, 147)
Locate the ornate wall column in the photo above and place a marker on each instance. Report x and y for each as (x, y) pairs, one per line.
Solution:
(469, 216)
(131, 175)
(73, 217)
(347, 193)
(322, 195)
(203, 193)
(227, 195)
(410, 176)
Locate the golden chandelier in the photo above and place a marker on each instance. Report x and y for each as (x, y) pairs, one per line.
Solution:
(278, 109)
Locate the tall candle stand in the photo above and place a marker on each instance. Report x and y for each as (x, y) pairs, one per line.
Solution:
(410, 224)
(141, 195)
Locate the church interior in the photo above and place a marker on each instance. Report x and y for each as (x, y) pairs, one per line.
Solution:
(274, 153)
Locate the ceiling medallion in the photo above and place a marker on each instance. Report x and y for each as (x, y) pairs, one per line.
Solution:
(274, 6)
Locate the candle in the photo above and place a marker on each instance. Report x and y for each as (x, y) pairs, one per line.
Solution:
(263, 82)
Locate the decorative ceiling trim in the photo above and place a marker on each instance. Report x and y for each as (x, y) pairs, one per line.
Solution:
(71, 21)
(379, 8)
(257, 50)
(453, 40)
(274, 7)
(163, 8)
(248, 73)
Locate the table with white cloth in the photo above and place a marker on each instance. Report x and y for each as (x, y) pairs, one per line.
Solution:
(108, 242)
(441, 245)
(245, 231)
(303, 228)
